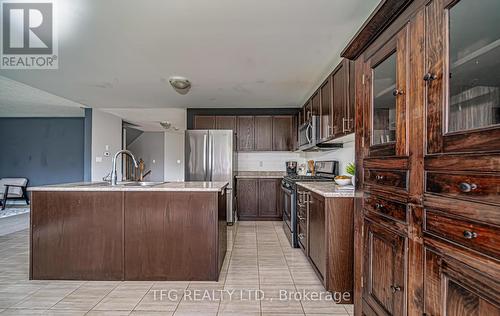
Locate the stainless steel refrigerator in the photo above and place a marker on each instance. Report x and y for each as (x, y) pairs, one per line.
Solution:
(211, 156)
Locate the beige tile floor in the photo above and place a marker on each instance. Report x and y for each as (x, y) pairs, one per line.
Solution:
(259, 264)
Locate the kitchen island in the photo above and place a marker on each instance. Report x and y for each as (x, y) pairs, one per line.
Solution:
(95, 231)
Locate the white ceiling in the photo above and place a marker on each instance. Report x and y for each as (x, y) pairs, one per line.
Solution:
(148, 120)
(20, 100)
(237, 53)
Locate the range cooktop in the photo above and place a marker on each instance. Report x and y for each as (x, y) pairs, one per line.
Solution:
(297, 178)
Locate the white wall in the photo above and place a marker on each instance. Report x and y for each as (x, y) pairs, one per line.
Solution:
(275, 161)
(150, 147)
(106, 141)
(344, 155)
(174, 156)
(174, 146)
(266, 161)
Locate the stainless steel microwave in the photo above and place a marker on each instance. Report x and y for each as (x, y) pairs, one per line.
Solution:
(309, 133)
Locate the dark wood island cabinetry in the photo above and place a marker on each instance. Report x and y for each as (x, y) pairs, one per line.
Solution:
(112, 233)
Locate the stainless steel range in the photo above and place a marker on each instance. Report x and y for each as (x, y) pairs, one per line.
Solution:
(325, 171)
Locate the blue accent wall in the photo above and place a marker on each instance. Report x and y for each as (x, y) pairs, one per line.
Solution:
(44, 150)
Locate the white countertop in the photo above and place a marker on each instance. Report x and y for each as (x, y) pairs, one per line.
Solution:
(105, 186)
(328, 189)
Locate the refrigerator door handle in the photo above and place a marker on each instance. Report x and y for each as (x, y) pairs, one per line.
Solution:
(205, 149)
(210, 158)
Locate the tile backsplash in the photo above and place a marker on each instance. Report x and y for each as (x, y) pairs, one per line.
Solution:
(266, 161)
(275, 161)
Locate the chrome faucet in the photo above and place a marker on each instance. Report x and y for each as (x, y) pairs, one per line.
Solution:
(113, 171)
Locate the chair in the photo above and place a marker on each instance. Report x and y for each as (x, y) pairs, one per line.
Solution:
(13, 189)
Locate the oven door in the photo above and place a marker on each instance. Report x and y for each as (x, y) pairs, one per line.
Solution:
(287, 194)
(289, 215)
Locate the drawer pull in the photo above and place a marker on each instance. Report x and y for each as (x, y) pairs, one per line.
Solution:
(467, 187)
(429, 77)
(301, 236)
(379, 177)
(379, 206)
(395, 288)
(397, 92)
(469, 235)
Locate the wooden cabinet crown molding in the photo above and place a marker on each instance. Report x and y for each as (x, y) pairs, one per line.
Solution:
(383, 15)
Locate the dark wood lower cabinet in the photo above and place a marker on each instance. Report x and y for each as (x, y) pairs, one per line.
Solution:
(268, 198)
(384, 275)
(327, 228)
(76, 236)
(317, 231)
(163, 241)
(259, 199)
(454, 287)
(247, 198)
(137, 235)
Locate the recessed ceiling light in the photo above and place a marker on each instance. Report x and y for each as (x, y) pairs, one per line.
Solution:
(179, 83)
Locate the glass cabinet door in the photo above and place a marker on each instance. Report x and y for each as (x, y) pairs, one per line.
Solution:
(386, 72)
(384, 101)
(474, 65)
(463, 76)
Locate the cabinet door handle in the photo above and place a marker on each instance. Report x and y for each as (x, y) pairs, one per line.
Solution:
(395, 288)
(469, 234)
(467, 187)
(301, 218)
(429, 77)
(397, 92)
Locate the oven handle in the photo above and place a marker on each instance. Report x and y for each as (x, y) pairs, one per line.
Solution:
(288, 191)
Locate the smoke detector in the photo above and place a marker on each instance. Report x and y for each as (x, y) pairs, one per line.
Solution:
(180, 84)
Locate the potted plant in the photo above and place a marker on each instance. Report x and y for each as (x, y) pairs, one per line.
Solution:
(350, 169)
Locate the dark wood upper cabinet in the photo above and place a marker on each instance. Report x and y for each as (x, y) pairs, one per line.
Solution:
(255, 133)
(463, 88)
(283, 133)
(263, 133)
(315, 103)
(386, 79)
(246, 136)
(384, 270)
(204, 122)
(307, 111)
(339, 105)
(226, 122)
(326, 109)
